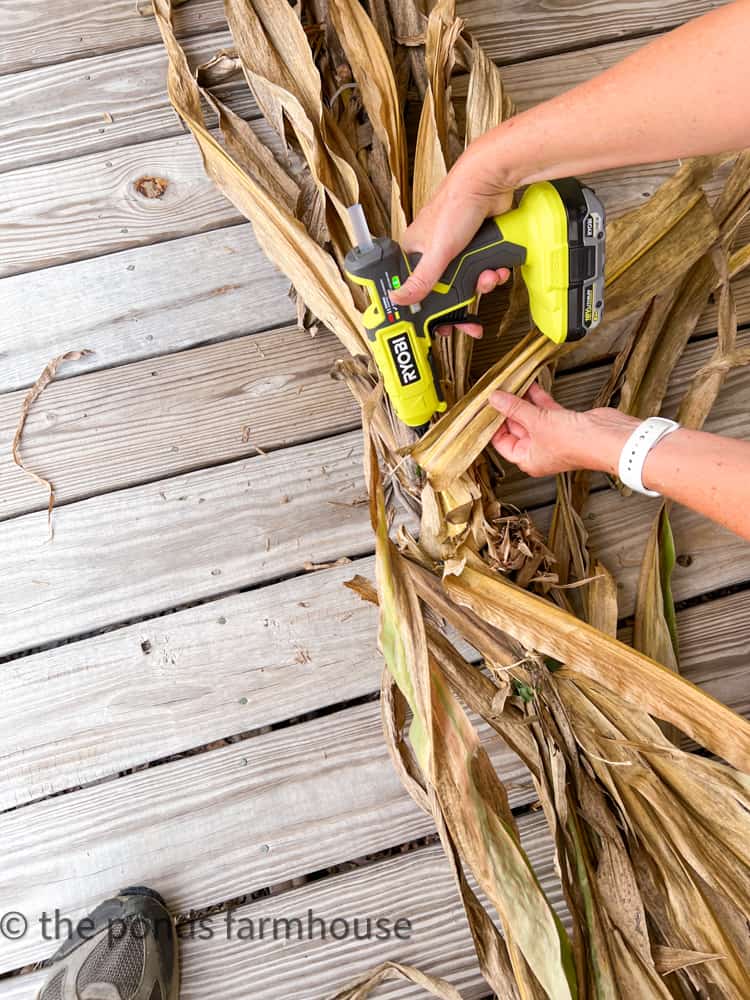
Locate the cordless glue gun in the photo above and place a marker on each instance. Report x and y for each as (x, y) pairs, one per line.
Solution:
(556, 235)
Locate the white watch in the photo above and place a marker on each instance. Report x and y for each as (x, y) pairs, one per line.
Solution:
(637, 447)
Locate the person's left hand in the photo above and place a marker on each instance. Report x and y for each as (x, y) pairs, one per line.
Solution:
(542, 438)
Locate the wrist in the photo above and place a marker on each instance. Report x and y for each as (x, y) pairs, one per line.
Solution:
(599, 440)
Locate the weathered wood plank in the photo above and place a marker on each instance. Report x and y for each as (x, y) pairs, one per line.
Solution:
(159, 298)
(140, 303)
(65, 211)
(158, 418)
(33, 38)
(91, 205)
(142, 692)
(182, 680)
(416, 886)
(715, 648)
(518, 29)
(229, 527)
(213, 826)
(163, 298)
(179, 540)
(167, 415)
(94, 104)
(510, 31)
(117, 99)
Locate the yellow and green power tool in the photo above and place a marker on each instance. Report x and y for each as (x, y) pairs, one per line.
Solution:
(556, 235)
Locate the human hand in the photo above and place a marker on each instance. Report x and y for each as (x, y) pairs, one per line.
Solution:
(542, 438)
(446, 224)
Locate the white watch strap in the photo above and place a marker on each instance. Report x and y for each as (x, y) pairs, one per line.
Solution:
(637, 447)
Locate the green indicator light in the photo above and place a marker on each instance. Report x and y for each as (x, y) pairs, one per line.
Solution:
(396, 281)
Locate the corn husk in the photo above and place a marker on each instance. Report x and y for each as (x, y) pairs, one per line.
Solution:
(651, 843)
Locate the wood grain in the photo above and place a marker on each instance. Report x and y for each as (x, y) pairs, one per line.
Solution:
(33, 38)
(163, 686)
(179, 540)
(168, 415)
(78, 208)
(142, 692)
(156, 546)
(416, 886)
(61, 111)
(159, 298)
(210, 827)
(518, 29)
(118, 99)
(511, 31)
(140, 304)
(91, 205)
(162, 417)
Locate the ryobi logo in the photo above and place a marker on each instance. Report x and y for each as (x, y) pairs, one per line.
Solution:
(403, 357)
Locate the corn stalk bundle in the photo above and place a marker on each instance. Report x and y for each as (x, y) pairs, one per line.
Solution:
(652, 844)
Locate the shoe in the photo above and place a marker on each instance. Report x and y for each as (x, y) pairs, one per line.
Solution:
(125, 950)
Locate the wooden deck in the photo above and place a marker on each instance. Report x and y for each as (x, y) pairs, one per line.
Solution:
(186, 703)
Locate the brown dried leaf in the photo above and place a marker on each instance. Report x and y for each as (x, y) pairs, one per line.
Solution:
(29, 399)
(457, 439)
(311, 270)
(487, 104)
(673, 959)
(363, 985)
(642, 682)
(372, 70)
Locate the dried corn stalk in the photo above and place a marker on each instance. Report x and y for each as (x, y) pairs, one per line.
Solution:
(653, 846)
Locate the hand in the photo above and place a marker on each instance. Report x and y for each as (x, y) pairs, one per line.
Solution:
(447, 223)
(543, 438)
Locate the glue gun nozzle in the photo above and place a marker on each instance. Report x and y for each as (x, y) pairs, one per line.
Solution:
(362, 237)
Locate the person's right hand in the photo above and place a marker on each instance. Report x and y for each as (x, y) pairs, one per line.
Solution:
(447, 223)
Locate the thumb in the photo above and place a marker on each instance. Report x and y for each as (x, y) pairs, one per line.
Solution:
(422, 279)
(514, 408)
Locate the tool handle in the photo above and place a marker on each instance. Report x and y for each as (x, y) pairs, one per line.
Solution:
(454, 296)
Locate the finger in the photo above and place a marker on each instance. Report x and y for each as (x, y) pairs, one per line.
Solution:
(515, 427)
(443, 331)
(514, 407)
(511, 448)
(539, 397)
(489, 280)
(422, 279)
(473, 329)
(504, 444)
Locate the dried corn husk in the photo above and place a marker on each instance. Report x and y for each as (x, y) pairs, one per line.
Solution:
(652, 844)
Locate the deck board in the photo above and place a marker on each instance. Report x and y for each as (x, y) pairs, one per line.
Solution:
(219, 824)
(140, 303)
(159, 418)
(146, 691)
(151, 521)
(140, 551)
(91, 205)
(509, 31)
(103, 705)
(63, 111)
(166, 416)
(416, 885)
(99, 103)
(164, 544)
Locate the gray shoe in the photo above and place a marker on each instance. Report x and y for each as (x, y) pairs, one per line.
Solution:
(126, 951)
